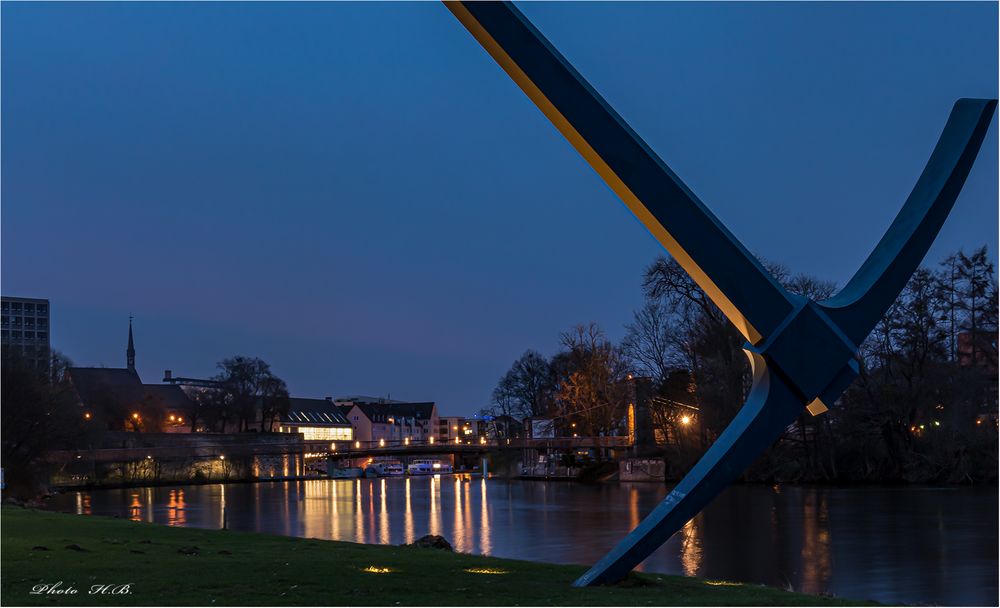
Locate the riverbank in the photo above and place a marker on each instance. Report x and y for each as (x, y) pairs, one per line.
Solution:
(181, 566)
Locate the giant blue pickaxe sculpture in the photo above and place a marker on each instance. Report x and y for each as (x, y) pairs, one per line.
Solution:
(802, 353)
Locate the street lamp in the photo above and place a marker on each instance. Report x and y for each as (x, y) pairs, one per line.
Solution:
(685, 420)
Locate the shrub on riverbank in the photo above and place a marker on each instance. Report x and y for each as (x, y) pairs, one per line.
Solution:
(180, 566)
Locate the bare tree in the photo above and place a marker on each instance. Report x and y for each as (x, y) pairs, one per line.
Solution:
(591, 393)
(650, 340)
(526, 389)
(246, 386)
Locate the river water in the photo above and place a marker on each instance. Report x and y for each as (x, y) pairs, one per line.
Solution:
(890, 544)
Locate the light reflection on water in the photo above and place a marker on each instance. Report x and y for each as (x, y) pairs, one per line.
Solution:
(892, 544)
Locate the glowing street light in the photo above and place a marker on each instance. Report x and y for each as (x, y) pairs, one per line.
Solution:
(685, 420)
(381, 443)
(431, 440)
(406, 441)
(357, 445)
(86, 415)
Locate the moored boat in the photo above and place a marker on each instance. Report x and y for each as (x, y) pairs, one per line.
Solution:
(345, 472)
(384, 468)
(428, 466)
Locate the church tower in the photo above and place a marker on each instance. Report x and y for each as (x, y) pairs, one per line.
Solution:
(130, 352)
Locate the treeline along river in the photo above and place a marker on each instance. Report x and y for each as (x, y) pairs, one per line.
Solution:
(890, 544)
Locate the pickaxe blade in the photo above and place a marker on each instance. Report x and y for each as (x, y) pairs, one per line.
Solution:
(802, 352)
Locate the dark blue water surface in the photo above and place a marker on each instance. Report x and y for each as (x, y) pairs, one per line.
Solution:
(891, 544)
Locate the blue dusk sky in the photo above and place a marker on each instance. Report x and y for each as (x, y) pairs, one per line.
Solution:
(359, 195)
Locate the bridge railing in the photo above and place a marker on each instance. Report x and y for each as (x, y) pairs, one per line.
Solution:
(477, 443)
(212, 449)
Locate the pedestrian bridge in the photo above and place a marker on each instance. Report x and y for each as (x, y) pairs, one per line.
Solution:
(140, 446)
(352, 449)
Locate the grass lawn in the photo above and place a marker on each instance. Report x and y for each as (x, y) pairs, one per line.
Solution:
(184, 566)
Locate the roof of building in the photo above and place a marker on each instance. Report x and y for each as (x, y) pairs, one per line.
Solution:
(315, 411)
(94, 384)
(168, 396)
(100, 382)
(380, 412)
(359, 399)
(24, 299)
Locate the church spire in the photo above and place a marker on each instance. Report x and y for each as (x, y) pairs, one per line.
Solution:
(130, 352)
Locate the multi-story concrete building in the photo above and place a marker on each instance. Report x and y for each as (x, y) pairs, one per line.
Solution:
(450, 427)
(24, 327)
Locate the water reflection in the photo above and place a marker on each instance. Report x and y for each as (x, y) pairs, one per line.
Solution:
(83, 503)
(176, 515)
(815, 545)
(359, 521)
(408, 518)
(633, 507)
(459, 531)
(135, 508)
(896, 545)
(383, 526)
(435, 508)
(690, 547)
(485, 546)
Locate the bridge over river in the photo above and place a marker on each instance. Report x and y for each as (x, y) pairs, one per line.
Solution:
(126, 447)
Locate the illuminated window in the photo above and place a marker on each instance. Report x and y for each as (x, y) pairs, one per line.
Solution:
(322, 433)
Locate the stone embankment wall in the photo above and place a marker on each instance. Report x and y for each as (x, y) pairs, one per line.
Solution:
(151, 458)
(641, 469)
